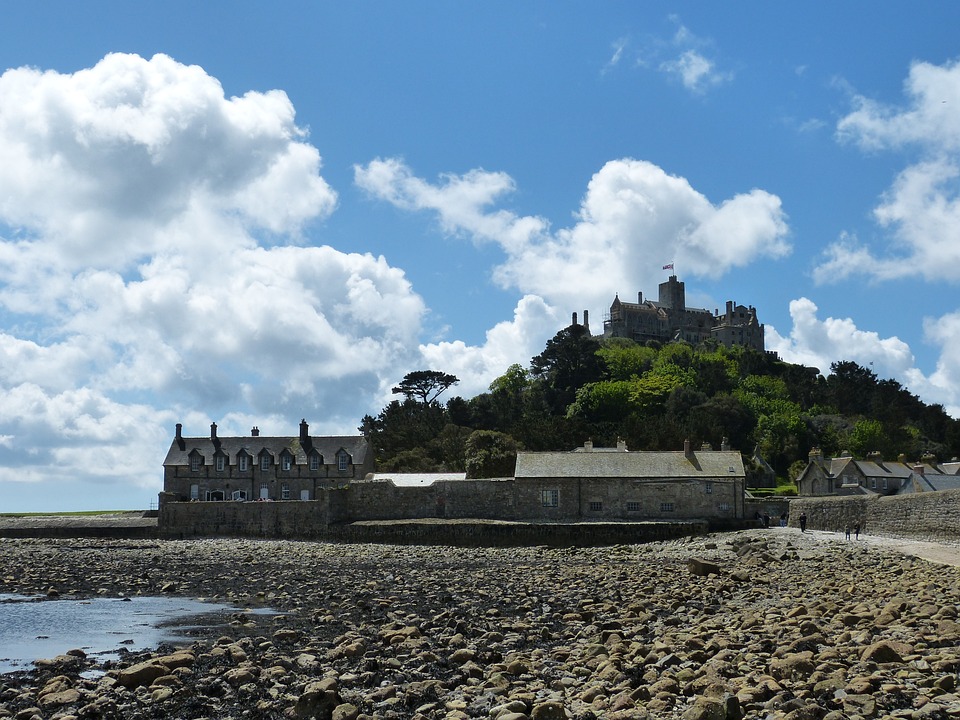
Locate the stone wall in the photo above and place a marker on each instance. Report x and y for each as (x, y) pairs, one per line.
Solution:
(930, 515)
(305, 519)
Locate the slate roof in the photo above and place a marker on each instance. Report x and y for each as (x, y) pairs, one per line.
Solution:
(328, 446)
(414, 479)
(928, 483)
(642, 464)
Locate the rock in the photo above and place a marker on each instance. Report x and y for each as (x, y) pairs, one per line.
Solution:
(886, 651)
(142, 674)
(551, 710)
(701, 567)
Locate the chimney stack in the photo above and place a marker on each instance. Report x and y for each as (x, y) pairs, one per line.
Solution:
(213, 432)
(254, 431)
(687, 452)
(621, 445)
(588, 446)
(180, 442)
(574, 320)
(586, 321)
(304, 433)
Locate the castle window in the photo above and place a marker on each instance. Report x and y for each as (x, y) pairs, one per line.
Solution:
(550, 498)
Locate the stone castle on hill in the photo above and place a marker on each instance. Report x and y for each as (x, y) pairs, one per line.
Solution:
(669, 319)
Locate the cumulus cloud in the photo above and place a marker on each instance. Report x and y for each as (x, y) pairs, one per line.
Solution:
(921, 209)
(819, 343)
(152, 246)
(696, 72)
(633, 218)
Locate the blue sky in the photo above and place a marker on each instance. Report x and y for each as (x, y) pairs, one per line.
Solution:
(247, 214)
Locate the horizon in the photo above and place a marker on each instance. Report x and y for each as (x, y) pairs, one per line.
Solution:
(255, 214)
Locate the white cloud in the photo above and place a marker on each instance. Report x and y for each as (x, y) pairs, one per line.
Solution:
(921, 209)
(633, 219)
(819, 343)
(696, 72)
(152, 269)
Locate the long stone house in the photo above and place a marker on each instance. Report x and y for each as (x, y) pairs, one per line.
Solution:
(257, 467)
(846, 475)
(668, 318)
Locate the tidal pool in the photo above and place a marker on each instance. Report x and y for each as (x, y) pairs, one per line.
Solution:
(32, 628)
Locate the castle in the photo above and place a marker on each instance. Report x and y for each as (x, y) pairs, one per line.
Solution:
(669, 319)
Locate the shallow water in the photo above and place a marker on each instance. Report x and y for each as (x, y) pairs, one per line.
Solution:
(35, 628)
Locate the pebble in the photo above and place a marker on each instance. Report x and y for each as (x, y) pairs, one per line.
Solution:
(747, 624)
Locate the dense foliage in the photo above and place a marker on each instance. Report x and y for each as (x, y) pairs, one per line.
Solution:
(654, 397)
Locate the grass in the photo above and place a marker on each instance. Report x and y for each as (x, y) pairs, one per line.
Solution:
(66, 514)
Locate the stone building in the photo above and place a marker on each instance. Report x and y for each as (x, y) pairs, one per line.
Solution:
(616, 484)
(668, 319)
(845, 475)
(262, 468)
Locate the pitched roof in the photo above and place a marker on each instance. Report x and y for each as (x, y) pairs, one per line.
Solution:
(645, 464)
(328, 446)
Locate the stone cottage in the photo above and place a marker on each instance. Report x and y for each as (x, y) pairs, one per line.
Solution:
(257, 467)
(845, 475)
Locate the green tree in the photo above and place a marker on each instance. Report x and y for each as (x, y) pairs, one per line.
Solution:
(424, 385)
(567, 363)
(490, 454)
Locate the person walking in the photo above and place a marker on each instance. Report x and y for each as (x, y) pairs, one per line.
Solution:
(803, 522)
(856, 532)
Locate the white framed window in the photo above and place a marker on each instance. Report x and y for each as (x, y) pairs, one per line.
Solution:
(873, 483)
(284, 492)
(195, 463)
(242, 463)
(265, 462)
(221, 463)
(343, 460)
(239, 495)
(314, 462)
(666, 507)
(884, 483)
(633, 506)
(595, 506)
(723, 507)
(550, 498)
(286, 462)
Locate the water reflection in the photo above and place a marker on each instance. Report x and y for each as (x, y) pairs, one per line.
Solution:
(34, 628)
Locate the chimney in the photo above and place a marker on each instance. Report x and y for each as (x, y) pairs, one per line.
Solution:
(213, 433)
(586, 321)
(304, 432)
(725, 444)
(588, 446)
(180, 441)
(621, 445)
(706, 447)
(918, 469)
(574, 320)
(687, 452)
(254, 431)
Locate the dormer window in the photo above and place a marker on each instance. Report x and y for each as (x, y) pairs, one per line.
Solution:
(243, 462)
(196, 461)
(221, 463)
(314, 462)
(286, 462)
(265, 461)
(343, 460)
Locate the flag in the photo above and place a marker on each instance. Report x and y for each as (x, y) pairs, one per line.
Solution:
(668, 267)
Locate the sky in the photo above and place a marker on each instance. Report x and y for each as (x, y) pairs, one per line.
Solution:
(250, 213)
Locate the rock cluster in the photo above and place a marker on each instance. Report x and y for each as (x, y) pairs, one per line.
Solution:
(757, 624)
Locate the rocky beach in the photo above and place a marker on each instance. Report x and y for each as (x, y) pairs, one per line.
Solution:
(751, 624)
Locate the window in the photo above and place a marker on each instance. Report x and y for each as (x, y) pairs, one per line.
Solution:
(633, 506)
(666, 507)
(194, 492)
(314, 462)
(284, 492)
(239, 495)
(286, 462)
(884, 483)
(242, 463)
(596, 506)
(873, 483)
(723, 507)
(709, 488)
(221, 463)
(265, 462)
(264, 491)
(550, 498)
(342, 461)
(195, 463)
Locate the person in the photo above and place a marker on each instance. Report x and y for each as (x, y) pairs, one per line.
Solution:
(848, 531)
(856, 532)
(803, 522)
(766, 520)
(783, 520)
